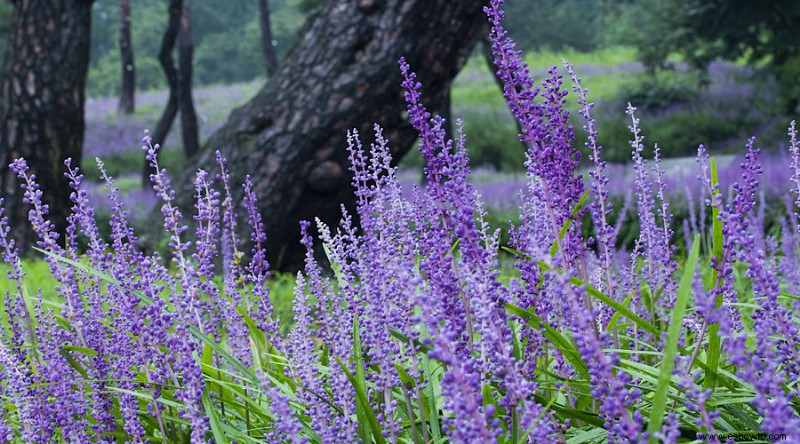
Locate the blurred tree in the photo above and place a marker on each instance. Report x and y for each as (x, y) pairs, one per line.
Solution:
(226, 35)
(342, 74)
(705, 30)
(180, 83)
(270, 58)
(41, 109)
(5, 27)
(309, 6)
(164, 124)
(191, 141)
(554, 24)
(126, 96)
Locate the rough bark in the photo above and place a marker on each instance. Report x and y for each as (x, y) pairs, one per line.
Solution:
(191, 143)
(342, 74)
(127, 102)
(168, 66)
(270, 58)
(41, 109)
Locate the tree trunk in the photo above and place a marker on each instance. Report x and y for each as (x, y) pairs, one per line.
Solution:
(41, 110)
(270, 58)
(342, 74)
(191, 144)
(168, 65)
(126, 97)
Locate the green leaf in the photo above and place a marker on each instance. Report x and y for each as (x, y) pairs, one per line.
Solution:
(714, 340)
(433, 412)
(245, 372)
(422, 348)
(671, 346)
(625, 311)
(568, 223)
(360, 379)
(214, 420)
(612, 323)
(83, 350)
(555, 338)
(365, 412)
(597, 294)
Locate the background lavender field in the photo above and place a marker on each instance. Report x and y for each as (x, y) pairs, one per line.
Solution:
(735, 104)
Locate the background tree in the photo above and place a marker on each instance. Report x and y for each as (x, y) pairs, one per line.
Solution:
(270, 58)
(126, 96)
(702, 31)
(555, 24)
(41, 110)
(180, 83)
(227, 40)
(175, 9)
(191, 142)
(342, 74)
(5, 27)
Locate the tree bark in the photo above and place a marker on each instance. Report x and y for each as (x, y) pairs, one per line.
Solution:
(41, 110)
(191, 143)
(168, 65)
(342, 74)
(127, 102)
(270, 58)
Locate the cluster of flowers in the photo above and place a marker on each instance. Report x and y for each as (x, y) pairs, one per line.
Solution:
(416, 334)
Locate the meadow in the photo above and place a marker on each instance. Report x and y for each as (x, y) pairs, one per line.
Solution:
(652, 301)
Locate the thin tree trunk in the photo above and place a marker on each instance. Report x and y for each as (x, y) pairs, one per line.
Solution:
(342, 74)
(191, 144)
(41, 109)
(168, 65)
(126, 98)
(270, 58)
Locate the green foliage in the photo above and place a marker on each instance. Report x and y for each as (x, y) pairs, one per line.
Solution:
(5, 27)
(554, 24)
(787, 75)
(652, 93)
(242, 52)
(122, 165)
(493, 141)
(702, 31)
(685, 131)
(104, 75)
(226, 37)
(758, 31)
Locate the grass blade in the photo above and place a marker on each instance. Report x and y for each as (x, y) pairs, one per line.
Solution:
(365, 412)
(568, 223)
(671, 347)
(555, 338)
(714, 341)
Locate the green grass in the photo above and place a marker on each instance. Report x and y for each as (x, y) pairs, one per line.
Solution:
(476, 89)
(610, 56)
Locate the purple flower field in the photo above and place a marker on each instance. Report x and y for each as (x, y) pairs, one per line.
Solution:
(108, 135)
(413, 330)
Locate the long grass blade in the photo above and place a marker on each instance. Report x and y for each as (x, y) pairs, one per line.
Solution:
(671, 346)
